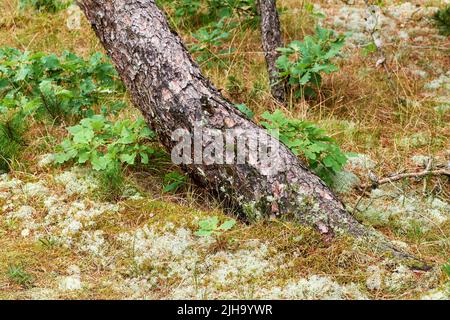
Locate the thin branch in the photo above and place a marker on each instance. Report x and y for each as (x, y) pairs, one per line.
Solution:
(427, 172)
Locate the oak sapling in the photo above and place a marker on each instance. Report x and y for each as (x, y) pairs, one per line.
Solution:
(307, 141)
(210, 47)
(61, 88)
(210, 227)
(106, 145)
(302, 63)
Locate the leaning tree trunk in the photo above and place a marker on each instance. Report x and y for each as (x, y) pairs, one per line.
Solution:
(169, 89)
(271, 40)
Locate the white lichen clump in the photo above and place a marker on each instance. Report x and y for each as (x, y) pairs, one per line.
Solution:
(344, 181)
(437, 294)
(400, 278)
(387, 23)
(361, 161)
(24, 212)
(443, 81)
(315, 287)
(70, 283)
(420, 160)
(46, 160)
(76, 183)
(389, 206)
(35, 189)
(375, 279)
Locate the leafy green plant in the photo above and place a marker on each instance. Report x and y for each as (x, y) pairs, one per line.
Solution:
(442, 20)
(187, 8)
(308, 141)
(210, 40)
(173, 181)
(50, 6)
(230, 8)
(309, 7)
(206, 11)
(106, 145)
(301, 63)
(369, 49)
(18, 275)
(59, 87)
(210, 227)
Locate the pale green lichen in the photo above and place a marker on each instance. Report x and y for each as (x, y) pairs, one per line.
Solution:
(345, 181)
(251, 211)
(388, 206)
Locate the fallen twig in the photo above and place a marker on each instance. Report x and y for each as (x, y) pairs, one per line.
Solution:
(427, 172)
(414, 175)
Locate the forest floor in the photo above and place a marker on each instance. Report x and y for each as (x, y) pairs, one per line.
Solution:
(58, 240)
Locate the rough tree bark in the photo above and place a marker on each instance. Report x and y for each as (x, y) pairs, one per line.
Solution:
(169, 89)
(271, 40)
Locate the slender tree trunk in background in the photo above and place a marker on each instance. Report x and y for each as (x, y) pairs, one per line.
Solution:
(271, 40)
(258, 7)
(169, 89)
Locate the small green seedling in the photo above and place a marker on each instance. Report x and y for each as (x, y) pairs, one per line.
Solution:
(173, 181)
(18, 275)
(47, 242)
(210, 227)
